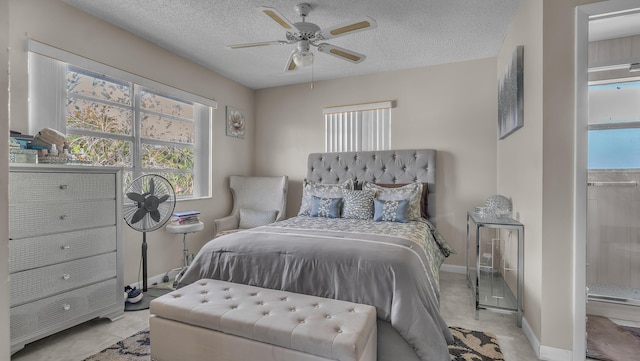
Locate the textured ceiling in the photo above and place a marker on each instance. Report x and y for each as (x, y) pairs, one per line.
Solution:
(410, 33)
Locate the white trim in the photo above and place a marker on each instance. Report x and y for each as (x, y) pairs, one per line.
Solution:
(531, 336)
(453, 268)
(358, 107)
(67, 57)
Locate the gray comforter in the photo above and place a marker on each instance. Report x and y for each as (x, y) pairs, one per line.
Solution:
(351, 260)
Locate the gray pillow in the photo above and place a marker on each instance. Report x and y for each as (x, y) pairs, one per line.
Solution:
(358, 204)
(251, 218)
(311, 188)
(326, 207)
(411, 191)
(390, 211)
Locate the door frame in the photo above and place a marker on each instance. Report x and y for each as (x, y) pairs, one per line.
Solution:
(582, 15)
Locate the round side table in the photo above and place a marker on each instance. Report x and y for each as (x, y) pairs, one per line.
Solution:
(184, 229)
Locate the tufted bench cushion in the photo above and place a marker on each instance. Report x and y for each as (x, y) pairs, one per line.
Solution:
(250, 322)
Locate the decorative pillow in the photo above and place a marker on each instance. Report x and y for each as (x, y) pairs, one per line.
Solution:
(311, 188)
(250, 218)
(390, 211)
(412, 192)
(358, 204)
(423, 197)
(326, 207)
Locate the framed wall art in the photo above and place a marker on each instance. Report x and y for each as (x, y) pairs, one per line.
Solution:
(511, 96)
(235, 122)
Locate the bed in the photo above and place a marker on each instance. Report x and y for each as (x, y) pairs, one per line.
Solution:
(340, 246)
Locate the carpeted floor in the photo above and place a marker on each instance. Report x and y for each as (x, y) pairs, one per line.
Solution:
(468, 345)
(608, 341)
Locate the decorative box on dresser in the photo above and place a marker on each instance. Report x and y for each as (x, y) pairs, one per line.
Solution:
(65, 248)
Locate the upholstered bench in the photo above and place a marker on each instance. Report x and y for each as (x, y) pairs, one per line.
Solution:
(217, 320)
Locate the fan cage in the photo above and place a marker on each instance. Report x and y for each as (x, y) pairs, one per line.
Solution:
(144, 185)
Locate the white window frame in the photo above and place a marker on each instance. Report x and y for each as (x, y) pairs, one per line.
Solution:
(358, 127)
(47, 108)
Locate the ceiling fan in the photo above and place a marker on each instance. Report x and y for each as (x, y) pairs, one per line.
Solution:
(305, 35)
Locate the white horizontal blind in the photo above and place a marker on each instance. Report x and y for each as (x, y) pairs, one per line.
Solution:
(358, 127)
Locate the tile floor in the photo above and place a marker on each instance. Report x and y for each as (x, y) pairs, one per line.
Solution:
(84, 340)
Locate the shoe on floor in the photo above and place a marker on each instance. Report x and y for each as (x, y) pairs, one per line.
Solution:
(134, 295)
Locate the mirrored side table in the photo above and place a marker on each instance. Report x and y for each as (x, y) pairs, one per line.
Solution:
(495, 263)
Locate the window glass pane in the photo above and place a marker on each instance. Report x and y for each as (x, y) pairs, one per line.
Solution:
(167, 157)
(94, 85)
(103, 151)
(165, 105)
(168, 129)
(614, 148)
(614, 103)
(182, 182)
(98, 117)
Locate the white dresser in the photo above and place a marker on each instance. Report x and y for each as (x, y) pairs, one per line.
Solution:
(65, 248)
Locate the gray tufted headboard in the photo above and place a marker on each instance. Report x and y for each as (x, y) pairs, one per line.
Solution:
(385, 166)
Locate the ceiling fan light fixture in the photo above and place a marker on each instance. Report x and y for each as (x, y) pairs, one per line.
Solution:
(303, 58)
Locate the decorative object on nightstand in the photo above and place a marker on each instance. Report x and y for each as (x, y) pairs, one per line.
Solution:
(495, 262)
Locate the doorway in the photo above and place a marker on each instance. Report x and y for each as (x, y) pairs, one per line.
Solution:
(599, 239)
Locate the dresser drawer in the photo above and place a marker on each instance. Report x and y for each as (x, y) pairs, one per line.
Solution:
(28, 220)
(28, 253)
(31, 285)
(58, 187)
(61, 309)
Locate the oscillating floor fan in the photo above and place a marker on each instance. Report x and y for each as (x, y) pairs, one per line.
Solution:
(148, 205)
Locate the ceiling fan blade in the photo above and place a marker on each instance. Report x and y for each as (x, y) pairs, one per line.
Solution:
(274, 14)
(251, 45)
(291, 66)
(351, 27)
(341, 53)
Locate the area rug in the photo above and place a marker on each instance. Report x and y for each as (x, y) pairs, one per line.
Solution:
(468, 346)
(608, 341)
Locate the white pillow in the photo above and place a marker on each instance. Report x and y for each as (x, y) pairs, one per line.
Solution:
(251, 218)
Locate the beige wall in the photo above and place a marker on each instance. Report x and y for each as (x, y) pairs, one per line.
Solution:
(57, 24)
(536, 165)
(451, 108)
(4, 179)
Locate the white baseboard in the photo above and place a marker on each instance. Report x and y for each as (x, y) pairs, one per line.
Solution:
(158, 279)
(453, 268)
(545, 352)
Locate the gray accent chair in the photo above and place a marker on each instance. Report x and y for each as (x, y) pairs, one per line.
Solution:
(259, 195)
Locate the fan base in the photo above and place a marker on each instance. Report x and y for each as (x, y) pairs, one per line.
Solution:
(150, 295)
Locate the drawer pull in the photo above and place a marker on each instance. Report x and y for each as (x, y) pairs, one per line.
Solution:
(66, 307)
(64, 216)
(63, 186)
(66, 276)
(66, 246)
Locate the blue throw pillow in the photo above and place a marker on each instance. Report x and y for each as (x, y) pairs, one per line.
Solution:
(326, 207)
(390, 211)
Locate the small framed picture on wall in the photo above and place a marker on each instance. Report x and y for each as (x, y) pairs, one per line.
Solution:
(235, 122)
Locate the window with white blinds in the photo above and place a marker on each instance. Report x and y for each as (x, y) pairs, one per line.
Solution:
(358, 127)
(120, 119)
